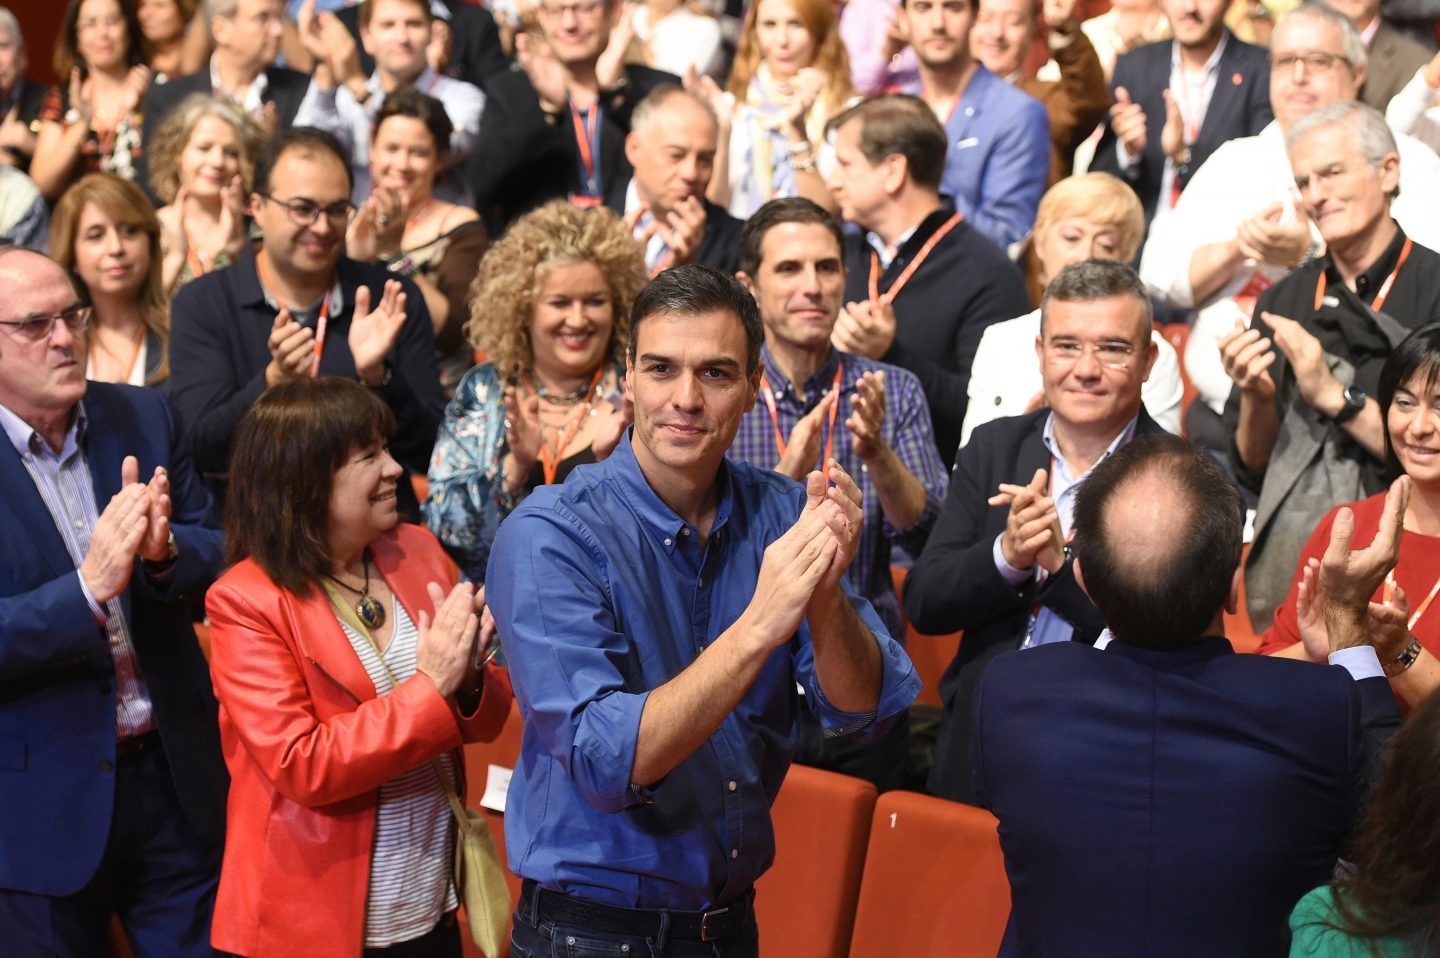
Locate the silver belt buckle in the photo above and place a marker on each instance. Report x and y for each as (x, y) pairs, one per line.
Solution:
(719, 914)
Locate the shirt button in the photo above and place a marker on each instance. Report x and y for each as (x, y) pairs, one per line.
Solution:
(669, 542)
(685, 532)
(733, 786)
(999, 400)
(734, 853)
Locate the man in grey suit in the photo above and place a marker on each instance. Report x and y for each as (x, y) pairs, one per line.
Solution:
(1394, 57)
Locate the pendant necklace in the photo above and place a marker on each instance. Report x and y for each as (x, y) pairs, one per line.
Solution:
(368, 609)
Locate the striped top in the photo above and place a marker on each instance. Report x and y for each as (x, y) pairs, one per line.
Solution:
(411, 866)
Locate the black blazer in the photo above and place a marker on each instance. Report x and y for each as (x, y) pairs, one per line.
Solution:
(525, 158)
(954, 584)
(1240, 106)
(476, 54)
(27, 110)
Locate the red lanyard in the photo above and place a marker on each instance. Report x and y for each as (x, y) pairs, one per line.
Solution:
(1414, 616)
(320, 324)
(586, 138)
(769, 396)
(889, 295)
(550, 458)
(1380, 297)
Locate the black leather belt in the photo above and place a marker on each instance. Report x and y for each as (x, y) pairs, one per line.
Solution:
(131, 747)
(716, 924)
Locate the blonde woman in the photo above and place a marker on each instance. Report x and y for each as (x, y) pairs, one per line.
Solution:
(551, 307)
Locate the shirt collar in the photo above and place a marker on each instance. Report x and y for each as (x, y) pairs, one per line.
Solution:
(1211, 65)
(1368, 34)
(918, 233)
(1053, 447)
(815, 386)
(27, 440)
(256, 294)
(1368, 283)
(659, 519)
(254, 97)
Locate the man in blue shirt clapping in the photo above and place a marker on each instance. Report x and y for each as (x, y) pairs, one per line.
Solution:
(658, 611)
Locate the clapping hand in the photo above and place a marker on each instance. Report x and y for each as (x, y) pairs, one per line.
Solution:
(373, 331)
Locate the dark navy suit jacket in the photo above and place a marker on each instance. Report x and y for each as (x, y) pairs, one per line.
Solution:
(1174, 802)
(57, 679)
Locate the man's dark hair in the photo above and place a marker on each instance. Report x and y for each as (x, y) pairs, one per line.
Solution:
(1159, 584)
(898, 123)
(367, 11)
(286, 452)
(793, 209)
(417, 106)
(1418, 353)
(1094, 279)
(301, 139)
(693, 290)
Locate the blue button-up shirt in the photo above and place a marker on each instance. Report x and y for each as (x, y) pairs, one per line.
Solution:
(603, 593)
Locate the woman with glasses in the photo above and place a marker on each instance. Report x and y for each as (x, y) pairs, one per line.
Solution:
(106, 234)
(405, 227)
(1405, 622)
(790, 75)
(350, 669)
(201, 161)
(1089, 216)
(91, 123)
(552, 309)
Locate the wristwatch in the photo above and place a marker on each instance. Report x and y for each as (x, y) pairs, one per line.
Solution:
(161, 566)
(1405, 659)
(1354, 404)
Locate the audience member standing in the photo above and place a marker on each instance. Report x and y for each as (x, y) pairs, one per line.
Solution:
(1309, 435)
(996, 563)
(1216, 788)
(297, 308)
(1177, 101)
(921, 284)
(114, 793)
(556, 127)
(1393, 56)
(657, 611)
(998, 157)
(819, 403)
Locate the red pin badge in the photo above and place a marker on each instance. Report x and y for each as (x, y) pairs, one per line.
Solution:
(1235, 79)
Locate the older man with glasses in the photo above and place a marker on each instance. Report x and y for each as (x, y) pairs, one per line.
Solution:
(997, 562)
(110, 769)
(299, 307)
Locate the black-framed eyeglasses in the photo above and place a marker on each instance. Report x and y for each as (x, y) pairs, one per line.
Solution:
(36, 329)
(306, 212)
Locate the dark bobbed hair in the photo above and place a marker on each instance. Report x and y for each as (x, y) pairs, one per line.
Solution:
(283, 461)
(305, 140)
(418, 106)
(1094, 279)
(1149, 602)
(1418, 353)
(1394, 889)
(793, 209)
(899, 124)
(67, 44)
(694, 290)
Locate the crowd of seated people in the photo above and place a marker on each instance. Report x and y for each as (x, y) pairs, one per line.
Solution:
(324, 292)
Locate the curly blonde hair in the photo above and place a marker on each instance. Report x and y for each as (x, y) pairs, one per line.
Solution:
(174, 133)
(503, 294)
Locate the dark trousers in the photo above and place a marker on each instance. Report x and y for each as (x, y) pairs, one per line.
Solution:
(535, 936)
(156, 874)
(442, 941)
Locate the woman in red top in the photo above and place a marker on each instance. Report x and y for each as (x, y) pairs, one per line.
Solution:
(1410, 408)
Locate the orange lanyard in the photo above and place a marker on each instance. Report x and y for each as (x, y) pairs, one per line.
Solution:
(1390, 587)
(197, 263)
(1380, 297)
(587, 139)
(321, 324)
(889, 295)
(550, 458)
(769, 395)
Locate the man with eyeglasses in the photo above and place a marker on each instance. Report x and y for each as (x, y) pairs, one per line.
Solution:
(299, 307)
(1308, 433)
(110, 767)
(997, 563)
(557, 127)
(1238, 228)
(242, 69)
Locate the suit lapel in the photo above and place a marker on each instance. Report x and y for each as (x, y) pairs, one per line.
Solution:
(1226, 100)
(28, 508)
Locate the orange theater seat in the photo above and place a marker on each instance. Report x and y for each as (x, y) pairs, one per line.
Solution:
(479, 756)
(934, 883)
(806, 902)
(932, 654)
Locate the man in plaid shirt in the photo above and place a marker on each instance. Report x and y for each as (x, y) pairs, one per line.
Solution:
(817, 402)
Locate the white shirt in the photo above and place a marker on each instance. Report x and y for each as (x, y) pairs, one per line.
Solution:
(655, 248)
(1005, 376)
(1413, 111)
(1241, 178)
(679, 40)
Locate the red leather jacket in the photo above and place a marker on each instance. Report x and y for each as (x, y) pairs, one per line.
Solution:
(308, 745)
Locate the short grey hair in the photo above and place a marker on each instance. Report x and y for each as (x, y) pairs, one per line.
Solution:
(8, 22)
(1351, 43)
(1096, 279)
(657, 99)
(1362, 123)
